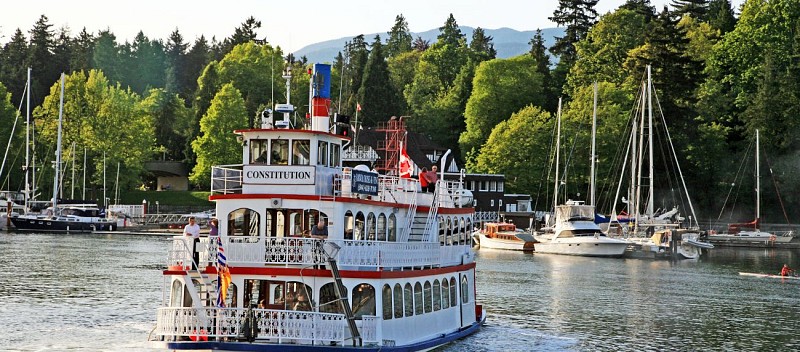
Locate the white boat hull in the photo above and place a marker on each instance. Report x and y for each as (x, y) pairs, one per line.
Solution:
(750, 237)
(589, 247)
(493, 243)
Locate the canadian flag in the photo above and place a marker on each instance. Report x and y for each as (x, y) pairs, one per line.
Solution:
(405, 164)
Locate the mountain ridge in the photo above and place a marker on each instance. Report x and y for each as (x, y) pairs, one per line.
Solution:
(507, 41)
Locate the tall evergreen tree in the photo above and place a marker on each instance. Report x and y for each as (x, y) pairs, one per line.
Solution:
(642, 7)
(149, 64)
(62, 51)
(399, 40)
(42, 59)
(243, 34)
(196, 60)
(15, 60)
(420, 44)
(177, 76)
(107, 56)
(578, 16)
(376, 95)
(357, 56)
(720, 15)
(81, 51)
(539, 52)
(481, 46)
(698, 9)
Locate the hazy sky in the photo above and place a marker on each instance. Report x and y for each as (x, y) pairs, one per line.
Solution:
(288, 24)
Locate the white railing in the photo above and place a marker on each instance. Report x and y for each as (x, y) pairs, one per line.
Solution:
(252, 251)
(359, 153)
(226, 179)
(133, 211)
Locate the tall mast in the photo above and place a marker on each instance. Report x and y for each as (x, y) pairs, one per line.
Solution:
(594, 135)
(28, 141)
(639, 157)
(83, 193)
(558, 147)
(72, 183)
(650, 142)
(58, 145)
(758, 183)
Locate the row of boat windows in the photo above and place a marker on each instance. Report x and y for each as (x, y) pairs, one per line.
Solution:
(294, 152)
(398, 301)
(358, 226)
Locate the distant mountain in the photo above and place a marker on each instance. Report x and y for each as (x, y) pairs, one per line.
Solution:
(508, 42)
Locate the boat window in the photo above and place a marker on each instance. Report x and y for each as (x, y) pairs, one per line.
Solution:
(392, 228)
(359, 230)
(398, 301)
(579, 232)
(296, 220)
(445, 294)
(336, 159)
(463, 230)
(437, 296)
(328, 300)
(277, 295)
(176, 294)
(297, 296)
(453, 294)
(363, 300)
(428, 298)
(371, 226)
(464, 290)
(348, 225)
(276, 223)
(382, 227)
(322, 153)
(301, 150)
(280, 152)
(408, 300)
(386, 300)
(258, 151)
(243, 222)
(187, 298)
(418, 299)
(255, 293)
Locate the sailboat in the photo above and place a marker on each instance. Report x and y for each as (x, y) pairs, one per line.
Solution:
(751, 232)
(573, 230)
(654, 233)
(67, 216)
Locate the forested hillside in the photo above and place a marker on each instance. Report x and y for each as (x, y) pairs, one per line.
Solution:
(720, 74)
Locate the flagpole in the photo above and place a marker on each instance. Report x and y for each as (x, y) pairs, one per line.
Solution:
(355, 135)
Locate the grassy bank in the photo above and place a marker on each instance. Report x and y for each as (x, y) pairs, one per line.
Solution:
(167, 198)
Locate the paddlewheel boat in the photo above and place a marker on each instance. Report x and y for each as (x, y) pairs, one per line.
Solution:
(503, 236)
(395, 271)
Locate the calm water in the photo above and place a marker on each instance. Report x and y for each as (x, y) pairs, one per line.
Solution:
(100, 293)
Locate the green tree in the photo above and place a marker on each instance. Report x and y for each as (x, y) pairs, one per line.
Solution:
(11, 177)
(481, 46)
(642, 7)
(420, 44)
(539, 53)
(177, 78)
(399, 39)
(696, 8)
(500, 87)
(62, 52)
(149, 64)
(106, 56)
(356, 60)
(196, 60)
(15, 61)
(579, 16)
(721, 16)
(81, 51)
(41, 57)
(171, 120)
(515, 148)
(401, 74)
(217, 144)
(378, 99)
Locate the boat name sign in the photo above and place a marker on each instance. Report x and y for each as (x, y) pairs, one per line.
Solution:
(279, 175)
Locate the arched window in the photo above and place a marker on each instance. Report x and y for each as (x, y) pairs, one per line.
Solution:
(446, 238)
(176, 294)
(298, 296)
(243, 222)
(386, 301)
(442, 227)
(348, 225)
(463, 233)
(398, 301)
(445, 294)
(468, 229)
(453, 295)
(363, 300)
(408, 300)
(437, 296)
(371, 227)
(359, 231)
(464, 290)
(382, 227)
(392, 228)
(428, 297)
(418, 299)
(328, 301)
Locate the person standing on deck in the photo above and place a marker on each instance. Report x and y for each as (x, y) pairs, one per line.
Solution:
(786, 270)
(432, 177)
(193, 229)
(212, 228)
(423, 180)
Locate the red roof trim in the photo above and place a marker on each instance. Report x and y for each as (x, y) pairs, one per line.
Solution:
(420, 209)
(351, 274)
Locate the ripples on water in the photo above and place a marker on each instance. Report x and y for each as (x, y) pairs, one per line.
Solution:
(100, 293)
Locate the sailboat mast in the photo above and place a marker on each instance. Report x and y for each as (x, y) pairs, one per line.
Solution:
(758, 183)
(594, 135)
(83, 193)
(558, 148)
(637, 199)
(650, 142)
(72, 183)
(58, 145)
(28, 141)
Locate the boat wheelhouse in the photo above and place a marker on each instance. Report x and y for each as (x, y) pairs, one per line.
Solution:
(395, 272)
(502, 235)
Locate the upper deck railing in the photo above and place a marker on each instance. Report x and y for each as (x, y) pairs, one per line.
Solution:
(245, 251)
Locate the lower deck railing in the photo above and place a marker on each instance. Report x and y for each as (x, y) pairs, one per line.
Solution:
(279, 326)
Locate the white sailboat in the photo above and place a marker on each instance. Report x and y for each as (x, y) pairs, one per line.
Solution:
(751, 232)
(573, 230)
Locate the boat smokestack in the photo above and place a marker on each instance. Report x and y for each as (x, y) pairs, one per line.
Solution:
(320, 97)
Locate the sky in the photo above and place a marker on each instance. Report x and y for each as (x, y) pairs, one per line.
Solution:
(288, 24)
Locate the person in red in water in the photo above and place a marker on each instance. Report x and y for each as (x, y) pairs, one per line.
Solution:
(786, 270)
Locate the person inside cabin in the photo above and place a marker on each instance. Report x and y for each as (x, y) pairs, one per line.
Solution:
(262, 158)
(432, 177)
(786, 270)
(320, 229)
(423, 181)
(213, 227)
(193, 229)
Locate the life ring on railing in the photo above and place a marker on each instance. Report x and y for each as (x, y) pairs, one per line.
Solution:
(202, 336)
